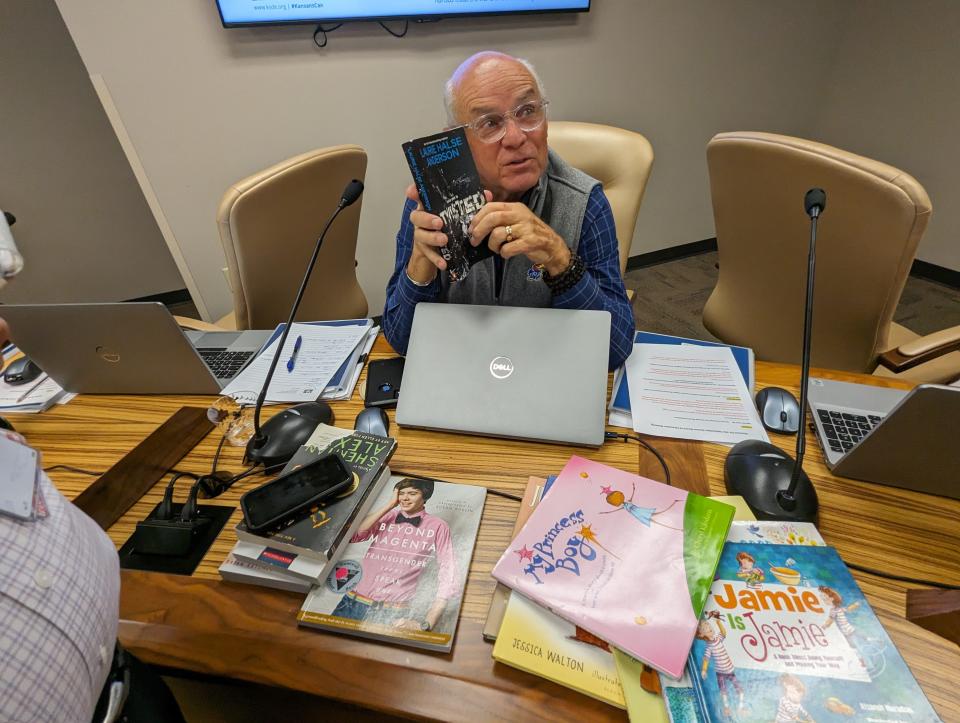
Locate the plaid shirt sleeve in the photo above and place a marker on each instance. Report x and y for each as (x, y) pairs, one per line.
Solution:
(602, 287)
(402, 294)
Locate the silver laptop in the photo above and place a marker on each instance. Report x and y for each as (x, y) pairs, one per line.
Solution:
(890, 436)
(127, 348)
(538, 374)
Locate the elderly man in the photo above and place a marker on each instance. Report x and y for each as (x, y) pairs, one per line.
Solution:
(549, 225)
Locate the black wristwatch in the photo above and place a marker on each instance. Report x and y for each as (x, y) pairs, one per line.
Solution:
(425, 626)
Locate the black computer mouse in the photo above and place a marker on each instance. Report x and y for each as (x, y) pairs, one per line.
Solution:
(779, 410)
(21, 371)
(373, 420)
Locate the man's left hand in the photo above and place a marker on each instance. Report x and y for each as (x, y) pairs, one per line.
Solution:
(528, 235)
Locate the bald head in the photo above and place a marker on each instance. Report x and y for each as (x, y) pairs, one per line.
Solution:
(483, 68)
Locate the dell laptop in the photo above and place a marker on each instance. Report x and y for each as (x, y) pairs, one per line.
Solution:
(889, 436)
(537, 374)
(127, 348)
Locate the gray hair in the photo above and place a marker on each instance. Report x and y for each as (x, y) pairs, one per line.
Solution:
(450, 87)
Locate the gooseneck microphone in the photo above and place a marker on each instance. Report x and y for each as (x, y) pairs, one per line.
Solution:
(813, 203)
(350, 194)
(277, 440)
(774, 486)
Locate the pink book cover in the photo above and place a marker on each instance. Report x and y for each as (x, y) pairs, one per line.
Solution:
(624, 557)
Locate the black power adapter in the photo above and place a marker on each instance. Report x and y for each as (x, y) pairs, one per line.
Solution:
(171, 529)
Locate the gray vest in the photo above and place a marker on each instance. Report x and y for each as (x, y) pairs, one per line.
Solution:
(560, 199)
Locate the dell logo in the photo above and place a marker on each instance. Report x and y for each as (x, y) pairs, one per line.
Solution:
(108, 354)
(501, 367)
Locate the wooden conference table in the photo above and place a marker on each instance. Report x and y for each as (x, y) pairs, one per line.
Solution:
(204, 625)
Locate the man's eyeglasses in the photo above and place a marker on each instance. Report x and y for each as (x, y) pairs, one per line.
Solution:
(491, 127)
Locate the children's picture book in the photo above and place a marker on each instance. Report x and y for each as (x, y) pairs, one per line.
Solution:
(678, 695)
(449, 186)
(797, 643)
(401, 578)
(680, 699)
(322, 533)
(536, 486)
(627, 559)
(537, 641)
(772, 532)
(648, 694)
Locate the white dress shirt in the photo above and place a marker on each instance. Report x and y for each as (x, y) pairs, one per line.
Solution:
(59, 606)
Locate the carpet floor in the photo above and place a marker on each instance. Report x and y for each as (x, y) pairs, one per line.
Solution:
(669, 299)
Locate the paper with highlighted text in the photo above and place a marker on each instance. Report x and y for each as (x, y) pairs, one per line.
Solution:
(691, 392)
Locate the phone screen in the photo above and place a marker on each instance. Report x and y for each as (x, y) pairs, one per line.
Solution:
(293, 491)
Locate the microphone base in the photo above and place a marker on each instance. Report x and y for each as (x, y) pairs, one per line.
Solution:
(758, 472)
(284, 433)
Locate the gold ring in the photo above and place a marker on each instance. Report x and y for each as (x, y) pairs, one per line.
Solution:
(509, 230)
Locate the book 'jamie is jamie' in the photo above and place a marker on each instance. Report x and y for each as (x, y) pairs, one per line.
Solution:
(628, 559)
(797, 642)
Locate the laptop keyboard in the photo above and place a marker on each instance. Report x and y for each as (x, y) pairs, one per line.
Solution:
(224, 364)
(845, 429)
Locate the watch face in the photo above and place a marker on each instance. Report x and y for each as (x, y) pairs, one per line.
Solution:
(425, 626)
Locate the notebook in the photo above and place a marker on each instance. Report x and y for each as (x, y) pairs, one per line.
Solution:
(889, 436)
(537, 374)
(128, 348)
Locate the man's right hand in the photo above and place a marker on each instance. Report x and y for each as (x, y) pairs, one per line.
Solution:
(428, 238)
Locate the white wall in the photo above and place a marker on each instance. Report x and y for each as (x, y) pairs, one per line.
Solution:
(83, 226)
(893, 95)
(206, 106)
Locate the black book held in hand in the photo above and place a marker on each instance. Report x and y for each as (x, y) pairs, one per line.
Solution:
(449, 186)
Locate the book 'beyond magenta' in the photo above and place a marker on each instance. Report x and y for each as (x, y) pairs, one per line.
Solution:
(401, 578)
(627, 559)
(449, 186)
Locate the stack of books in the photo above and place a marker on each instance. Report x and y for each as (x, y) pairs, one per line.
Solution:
(782, 632)
(303, 553)
(386, 560)
(606, 561)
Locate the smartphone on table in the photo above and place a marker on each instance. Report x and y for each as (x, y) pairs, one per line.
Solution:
(383, 382)
(293, 494)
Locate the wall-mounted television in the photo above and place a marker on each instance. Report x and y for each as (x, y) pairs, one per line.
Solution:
(238, 13)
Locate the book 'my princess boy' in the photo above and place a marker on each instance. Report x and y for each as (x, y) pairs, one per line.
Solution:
(627, 559)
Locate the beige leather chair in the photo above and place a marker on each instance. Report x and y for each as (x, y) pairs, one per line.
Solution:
(620, 159)
(866, 241)
(269, 224)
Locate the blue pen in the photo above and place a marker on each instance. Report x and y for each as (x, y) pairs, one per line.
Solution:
(291, 362)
